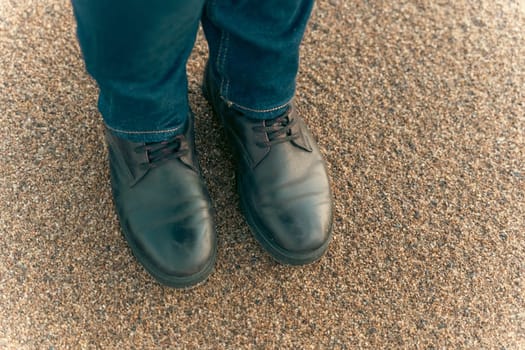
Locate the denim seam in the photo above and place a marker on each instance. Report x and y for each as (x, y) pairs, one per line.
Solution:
(143, 132)
(227, 88)
(221, 62)
(232, 103)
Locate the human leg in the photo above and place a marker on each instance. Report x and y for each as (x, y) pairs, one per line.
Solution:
(137, 53)
(250, 82)
(254, 52)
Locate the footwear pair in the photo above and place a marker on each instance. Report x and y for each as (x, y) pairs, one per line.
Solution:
(166, 214)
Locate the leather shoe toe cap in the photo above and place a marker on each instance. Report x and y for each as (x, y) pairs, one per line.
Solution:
(176, 250)
(299, 230)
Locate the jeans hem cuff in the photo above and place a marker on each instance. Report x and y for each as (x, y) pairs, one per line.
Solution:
(146, 135)
(266, 113)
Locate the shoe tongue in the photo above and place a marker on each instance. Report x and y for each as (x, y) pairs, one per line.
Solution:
(164, 149)
(159, 144)
(282, 120)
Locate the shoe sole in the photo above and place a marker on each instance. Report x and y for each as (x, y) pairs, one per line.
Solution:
(278, 253)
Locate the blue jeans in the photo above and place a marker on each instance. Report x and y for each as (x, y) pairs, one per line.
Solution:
(137, 52)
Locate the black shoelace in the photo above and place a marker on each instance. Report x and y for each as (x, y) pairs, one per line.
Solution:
(159, 152)
(279, 130)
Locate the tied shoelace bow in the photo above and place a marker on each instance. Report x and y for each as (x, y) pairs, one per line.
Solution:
(159, 152)
(279, 130)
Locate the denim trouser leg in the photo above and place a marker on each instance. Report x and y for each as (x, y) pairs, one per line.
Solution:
(137, 51)
(254, 51)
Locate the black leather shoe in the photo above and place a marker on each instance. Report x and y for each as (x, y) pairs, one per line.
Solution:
(282, 181)
(164, 208)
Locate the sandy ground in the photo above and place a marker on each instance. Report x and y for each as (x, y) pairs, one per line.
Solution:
(419, 109)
